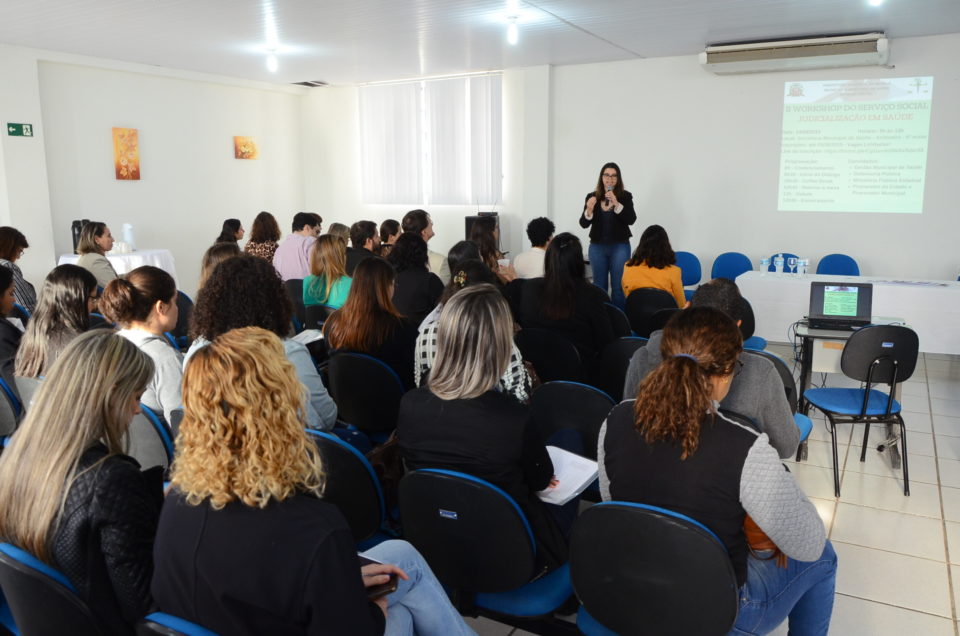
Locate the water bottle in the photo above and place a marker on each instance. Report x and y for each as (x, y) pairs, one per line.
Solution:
(128, 237)
(75, 228)
(764, 265)
(778, 263)
(802, 264)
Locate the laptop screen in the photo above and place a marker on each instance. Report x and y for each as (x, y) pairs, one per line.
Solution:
(841, 301)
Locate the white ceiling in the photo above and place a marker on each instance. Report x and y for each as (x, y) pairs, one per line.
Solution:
(354, 41)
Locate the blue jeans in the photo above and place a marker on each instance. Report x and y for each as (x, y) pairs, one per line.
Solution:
(419, 606)
(803, 592)
(606, 261)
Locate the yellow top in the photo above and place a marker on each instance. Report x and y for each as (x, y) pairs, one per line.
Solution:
(667, 279)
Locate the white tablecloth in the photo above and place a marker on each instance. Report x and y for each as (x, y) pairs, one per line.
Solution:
(931, 308)
(124, 263)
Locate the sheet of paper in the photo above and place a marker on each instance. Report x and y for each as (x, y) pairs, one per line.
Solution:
(573, 472)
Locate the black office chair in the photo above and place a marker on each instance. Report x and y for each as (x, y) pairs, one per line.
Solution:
(41, 599)
(351, 485)
(180, 331)
(876, 354)
(294, 287)
(151, 443)
(560, 405)
(660, 319)
(480, 546)
(316, 315)
(790, 391)
(161, 624)
(553, 356)
(613, 363)
(641, 306)
(366, 391)
(618, 320)
(21, 312)
(11, 409)
(636, 570)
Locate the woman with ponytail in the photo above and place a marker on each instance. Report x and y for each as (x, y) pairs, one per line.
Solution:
(144, 304)
(671, 447)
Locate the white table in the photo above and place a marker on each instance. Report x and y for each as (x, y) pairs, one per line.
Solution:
(931, 308)
(124, 263)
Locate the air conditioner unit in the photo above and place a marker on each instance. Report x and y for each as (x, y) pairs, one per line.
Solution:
(867, 49)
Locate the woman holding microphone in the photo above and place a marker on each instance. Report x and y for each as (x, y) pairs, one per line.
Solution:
(608, 212)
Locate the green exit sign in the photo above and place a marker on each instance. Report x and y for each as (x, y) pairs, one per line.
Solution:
(20, 130)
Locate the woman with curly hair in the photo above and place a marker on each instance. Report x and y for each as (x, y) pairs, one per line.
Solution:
(671, 447)
(245, 291)
(67, 297)
(370, 323)
(68, 494)
(417, 288)
(654, 264)
(328, 283)
(246, 474)
(264, 237)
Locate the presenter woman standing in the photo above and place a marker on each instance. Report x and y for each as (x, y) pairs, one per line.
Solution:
(608, 212)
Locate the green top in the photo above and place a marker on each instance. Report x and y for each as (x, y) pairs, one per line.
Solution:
(314, 286)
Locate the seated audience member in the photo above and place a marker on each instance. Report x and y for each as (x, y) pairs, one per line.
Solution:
(340, 230)
(389, 233)
(515, 381)
(292, 258)
(461, 421)
(486, 234)
(10, 335)
(671, 448)
(364, 243)
(245, 291)
(231, 232)
(460, 252)
(247, 475)
(328, 283)
(215, 254)
(417, 288)
(654, 264)
(370, 323)
(68, 494)
(419, 222)
(67, 298)
(563, 300)
(12, 245)
(529, 264)
(144, 304)
(756, 391)
(263, 237)
(95, 241)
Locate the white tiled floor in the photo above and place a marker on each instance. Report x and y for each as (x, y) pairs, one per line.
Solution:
(899, 557)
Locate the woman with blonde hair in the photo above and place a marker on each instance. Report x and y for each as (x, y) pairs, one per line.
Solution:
(461, 421)
(246, 474)
(328, 283)
(215, 254)
(68, 494)
(95, 241)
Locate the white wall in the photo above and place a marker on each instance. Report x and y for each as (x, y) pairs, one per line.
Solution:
(190, 180)
(700, 153)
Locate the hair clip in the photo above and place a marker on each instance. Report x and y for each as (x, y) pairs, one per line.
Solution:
(461, 278)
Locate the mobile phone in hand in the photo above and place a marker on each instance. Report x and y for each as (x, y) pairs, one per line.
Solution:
(376, 591)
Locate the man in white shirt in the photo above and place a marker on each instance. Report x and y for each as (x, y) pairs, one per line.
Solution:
(419, 222)
(292, 259)
(529, 264)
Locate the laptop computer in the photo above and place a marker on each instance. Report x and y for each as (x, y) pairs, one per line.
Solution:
(840, 306)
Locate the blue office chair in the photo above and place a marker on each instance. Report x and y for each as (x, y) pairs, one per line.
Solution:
(613, 363)
(748, 324)
(730, 265)
(559, 405)
(618, 320)
(151, 442)
(480, 546)
(353, 379)
(353, 487)
(553, 356)
(636, 569)
(169, 625)
(643, 304)
(316, 315)
(10, 409)
(876, 354)
(690, 271)
(41, 599)
(785, 256)
(804, 424)
(838, 265)
(21, 312)
(180, 331)
(294, 288)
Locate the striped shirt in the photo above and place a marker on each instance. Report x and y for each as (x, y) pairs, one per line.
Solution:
(22, 290)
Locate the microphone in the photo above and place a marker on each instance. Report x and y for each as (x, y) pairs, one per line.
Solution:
(609, 189)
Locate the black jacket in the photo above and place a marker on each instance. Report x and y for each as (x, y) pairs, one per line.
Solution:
(588, 327)
(354, 256)
(608, 226)
(416, 293)
(104, 538)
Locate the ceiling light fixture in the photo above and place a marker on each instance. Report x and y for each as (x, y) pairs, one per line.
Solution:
(513, 32)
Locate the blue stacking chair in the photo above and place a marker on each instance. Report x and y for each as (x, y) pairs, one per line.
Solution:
(151, 442)
(730, 265)
(613, 363)
(838, 265)
(553, 356)
(480, 545)
(181, 337)
(169, 625)
(690, 271)
(618, 320)
(876, 354)
(40, 599)
(785, 256)
(790, 390)
(561, 405)
(10, 410)
(316, 315)
(642, 306)
(637, 568)
(353, 379)
(21, 312)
